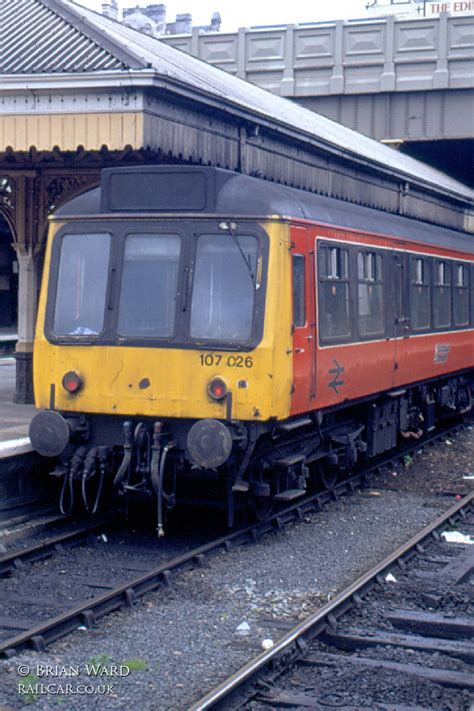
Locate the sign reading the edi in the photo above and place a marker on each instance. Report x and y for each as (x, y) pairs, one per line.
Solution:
(418, 8)
(458, 6)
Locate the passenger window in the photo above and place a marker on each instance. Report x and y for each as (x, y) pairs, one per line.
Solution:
(420, 316)
(461, 295)
(334, 315)
(472, 295)
(442, 294)
(370, 293)
(299, 290)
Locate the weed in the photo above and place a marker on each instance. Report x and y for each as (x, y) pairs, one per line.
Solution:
(97, 662)
(28, 696)
(136, 664)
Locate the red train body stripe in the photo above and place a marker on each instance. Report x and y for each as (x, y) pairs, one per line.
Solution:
(328, 375)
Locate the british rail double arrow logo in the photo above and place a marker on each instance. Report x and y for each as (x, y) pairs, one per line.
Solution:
(336, 372)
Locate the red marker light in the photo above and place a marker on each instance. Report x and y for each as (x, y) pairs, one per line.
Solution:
(72, 382)
(217, 389)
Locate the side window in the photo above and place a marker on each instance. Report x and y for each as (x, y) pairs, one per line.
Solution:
(461, 295)
(420, 311)
(299, 290)
(334, 315)
(370, 293)
(441, 293)
(472, 295)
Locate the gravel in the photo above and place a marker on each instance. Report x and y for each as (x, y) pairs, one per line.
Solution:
(180, 642)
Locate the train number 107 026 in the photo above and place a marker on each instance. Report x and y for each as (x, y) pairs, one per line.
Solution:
(214, 359)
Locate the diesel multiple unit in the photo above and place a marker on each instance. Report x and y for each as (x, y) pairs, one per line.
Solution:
(207, 336)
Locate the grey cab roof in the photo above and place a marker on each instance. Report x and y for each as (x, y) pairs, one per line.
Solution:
(62, 37)
(238, 195)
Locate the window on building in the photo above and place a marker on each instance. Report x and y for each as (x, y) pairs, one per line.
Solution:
(299, 290)
(441, 293)
(370, 293)
(461, 295)
(420, 315)
(334, 311)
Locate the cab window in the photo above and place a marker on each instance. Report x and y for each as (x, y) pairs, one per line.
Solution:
(224, 285)
(148, 292)
(82, 284)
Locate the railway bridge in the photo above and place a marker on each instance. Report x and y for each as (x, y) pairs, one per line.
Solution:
(79, 92)
(407, 82)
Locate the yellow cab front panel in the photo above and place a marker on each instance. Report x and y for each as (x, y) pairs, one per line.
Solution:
(172, 382)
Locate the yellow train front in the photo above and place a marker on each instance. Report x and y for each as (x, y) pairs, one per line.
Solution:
(163, 346)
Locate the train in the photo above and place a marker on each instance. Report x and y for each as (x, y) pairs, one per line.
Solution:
(204, 336)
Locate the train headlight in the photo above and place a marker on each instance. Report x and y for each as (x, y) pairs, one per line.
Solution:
(72, 382)
(217, 388)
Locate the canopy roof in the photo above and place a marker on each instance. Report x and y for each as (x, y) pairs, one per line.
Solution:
(45, 39)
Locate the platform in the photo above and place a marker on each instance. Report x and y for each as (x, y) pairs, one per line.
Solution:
(8, 341)
(14, 419)
(24, 483)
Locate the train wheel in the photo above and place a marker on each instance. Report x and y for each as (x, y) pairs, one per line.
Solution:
(326, 476)
(261, 498)
(260, 507)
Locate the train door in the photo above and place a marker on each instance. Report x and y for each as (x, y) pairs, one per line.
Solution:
(401, 318)
(304, 320)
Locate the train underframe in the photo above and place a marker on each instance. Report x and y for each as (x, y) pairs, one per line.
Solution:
(244, 467)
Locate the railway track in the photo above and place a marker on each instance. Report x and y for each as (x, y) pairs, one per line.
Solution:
(398, 639)
(74, 535)
(40, 527)
(87, 612)
(119, 583)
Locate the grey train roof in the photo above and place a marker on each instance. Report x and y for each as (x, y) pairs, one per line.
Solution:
(237, 195)
(122, 51)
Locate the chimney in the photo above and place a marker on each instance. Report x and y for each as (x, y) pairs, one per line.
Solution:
(184, 24)
(157, 13)
(110, 9)
(216, 22)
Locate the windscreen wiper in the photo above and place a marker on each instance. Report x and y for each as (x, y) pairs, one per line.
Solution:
(231, 228)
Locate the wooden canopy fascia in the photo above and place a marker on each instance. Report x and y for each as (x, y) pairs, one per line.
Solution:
(33, 183)
(34, 159)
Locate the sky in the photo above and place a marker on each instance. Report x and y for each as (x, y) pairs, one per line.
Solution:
(246, 13)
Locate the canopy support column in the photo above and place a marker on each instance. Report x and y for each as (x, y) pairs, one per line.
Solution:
(27, 301)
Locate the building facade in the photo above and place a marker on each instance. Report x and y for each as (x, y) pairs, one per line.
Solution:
(151, 19)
